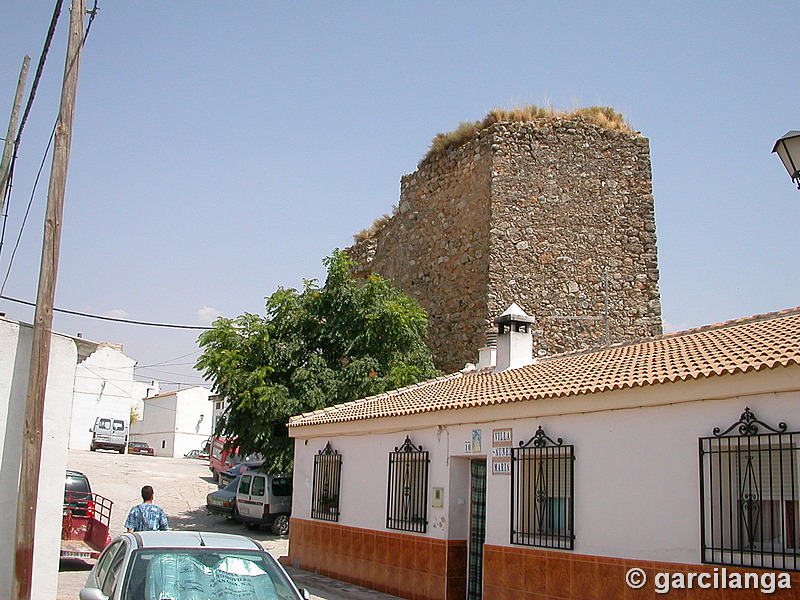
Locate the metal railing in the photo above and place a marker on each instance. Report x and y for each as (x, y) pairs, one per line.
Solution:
(407, 494)
(749, 495)
(327, 477)
(542, 499)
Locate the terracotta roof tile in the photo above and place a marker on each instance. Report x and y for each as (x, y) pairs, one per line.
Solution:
(752, 344)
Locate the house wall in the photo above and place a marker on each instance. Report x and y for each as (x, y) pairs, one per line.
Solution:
(172, 423)
(104, 387)
(157, 426)
(636, 482)
(193, 420)
(15, 352)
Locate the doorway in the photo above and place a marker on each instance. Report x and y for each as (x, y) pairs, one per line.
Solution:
(477, 528)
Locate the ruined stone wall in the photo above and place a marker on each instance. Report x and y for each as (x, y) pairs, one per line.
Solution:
(555, 215)
(573, 233)
(436, 247)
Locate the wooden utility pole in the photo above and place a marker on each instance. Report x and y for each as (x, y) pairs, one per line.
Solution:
(8, 150)
(43, 321)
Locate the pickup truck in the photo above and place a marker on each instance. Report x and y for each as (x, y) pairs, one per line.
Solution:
(84, 525)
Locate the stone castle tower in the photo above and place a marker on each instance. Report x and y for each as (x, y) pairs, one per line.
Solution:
(555, 214)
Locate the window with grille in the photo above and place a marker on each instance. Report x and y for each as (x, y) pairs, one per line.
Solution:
(407, 495)
(749, 479)
(542, 481)
(327, 477)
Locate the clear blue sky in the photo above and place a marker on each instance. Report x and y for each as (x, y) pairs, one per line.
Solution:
(222, 149)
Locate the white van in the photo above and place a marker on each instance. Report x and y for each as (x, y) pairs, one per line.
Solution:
(109, 434)
(263, 499)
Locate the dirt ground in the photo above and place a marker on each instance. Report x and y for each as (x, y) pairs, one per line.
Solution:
(180, 487)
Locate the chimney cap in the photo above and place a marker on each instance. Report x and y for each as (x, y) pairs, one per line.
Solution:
(514, 314)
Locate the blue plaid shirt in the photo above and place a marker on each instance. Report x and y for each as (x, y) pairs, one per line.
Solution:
(146, 517)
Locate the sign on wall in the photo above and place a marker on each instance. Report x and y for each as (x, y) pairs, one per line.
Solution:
(501, 451)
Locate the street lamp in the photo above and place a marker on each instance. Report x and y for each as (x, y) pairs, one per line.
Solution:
(788, 149)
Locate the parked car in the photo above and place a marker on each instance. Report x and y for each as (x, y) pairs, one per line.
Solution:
(223, 501)
(140, 448)
(187, 564)
(196, 454)
(263, 499)
(78, 494)
(225, 477)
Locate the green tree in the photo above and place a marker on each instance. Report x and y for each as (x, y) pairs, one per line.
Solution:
(313, 348)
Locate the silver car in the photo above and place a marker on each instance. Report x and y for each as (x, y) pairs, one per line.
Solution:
(187, 565)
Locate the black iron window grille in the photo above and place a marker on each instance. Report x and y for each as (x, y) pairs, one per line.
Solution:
(749, 495)
(407, 495)
(542, 500)
(327, 477)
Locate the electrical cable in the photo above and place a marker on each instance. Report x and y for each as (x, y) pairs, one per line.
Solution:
(34, 86)
(169, 360)
(28, 106)
(39, 68)
(115, 319)
(27, 210)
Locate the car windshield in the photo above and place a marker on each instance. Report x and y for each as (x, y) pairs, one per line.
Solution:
(76, 484)
(231, 487)
(188, 574)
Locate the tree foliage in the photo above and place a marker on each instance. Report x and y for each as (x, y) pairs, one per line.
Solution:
(313, 348)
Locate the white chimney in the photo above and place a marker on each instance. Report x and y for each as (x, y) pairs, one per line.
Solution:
(487, 356)
(514, 339)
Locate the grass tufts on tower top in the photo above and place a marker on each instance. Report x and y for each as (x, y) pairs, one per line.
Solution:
(602, 116)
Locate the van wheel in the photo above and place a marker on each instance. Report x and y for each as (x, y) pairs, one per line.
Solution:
(280, 526)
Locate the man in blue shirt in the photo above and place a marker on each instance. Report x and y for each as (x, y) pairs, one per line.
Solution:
(146, 516)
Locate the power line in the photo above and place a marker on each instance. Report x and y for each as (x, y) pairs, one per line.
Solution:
(169, 360)
(34, 86)
(27, 210)
(39, 68)
(115, 319)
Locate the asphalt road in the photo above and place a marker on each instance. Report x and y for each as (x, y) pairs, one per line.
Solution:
(180, 487)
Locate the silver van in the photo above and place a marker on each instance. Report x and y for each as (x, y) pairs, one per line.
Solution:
(263, 499)
(109, 434)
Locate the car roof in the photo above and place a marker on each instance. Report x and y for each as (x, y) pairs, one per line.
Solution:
(71, 473)
(194, 539)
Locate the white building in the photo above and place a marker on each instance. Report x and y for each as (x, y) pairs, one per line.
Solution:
(104, 387)
(554, 479)
(15, 354)
(175, 422)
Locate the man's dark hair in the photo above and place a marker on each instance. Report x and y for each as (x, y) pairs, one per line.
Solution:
(147, 493)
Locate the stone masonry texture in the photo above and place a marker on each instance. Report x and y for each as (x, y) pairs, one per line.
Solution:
(555, 215)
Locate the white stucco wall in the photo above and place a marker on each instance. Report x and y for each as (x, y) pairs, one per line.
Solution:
(194, 418)
(636, 468)
(15, 349)
(172, 424)
(104, 387)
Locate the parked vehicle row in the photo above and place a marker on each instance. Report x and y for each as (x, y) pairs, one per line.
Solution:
(226, 463)
(255, 499)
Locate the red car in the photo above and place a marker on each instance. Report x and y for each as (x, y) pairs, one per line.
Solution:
(140, 448)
